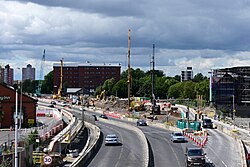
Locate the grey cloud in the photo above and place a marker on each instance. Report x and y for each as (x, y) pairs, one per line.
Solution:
(96, 30)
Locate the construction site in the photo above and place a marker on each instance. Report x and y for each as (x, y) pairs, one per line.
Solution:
(231, 90)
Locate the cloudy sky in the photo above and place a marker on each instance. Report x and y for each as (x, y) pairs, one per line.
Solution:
(198, 33)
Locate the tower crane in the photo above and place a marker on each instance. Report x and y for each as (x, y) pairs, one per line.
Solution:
(59, 91)
(38, 89)
(129, 71)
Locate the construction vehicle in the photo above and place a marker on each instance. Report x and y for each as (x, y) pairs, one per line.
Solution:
(39, 87)
(59, 91)
(102, 96)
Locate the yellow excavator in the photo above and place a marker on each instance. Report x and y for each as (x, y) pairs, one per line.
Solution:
(59, 92)
(102, 96)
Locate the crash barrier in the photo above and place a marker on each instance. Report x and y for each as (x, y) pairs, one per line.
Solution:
(73, 132)
(113, 115)
(93, 141)
(61, 134)
(246, 152)
(200, 137)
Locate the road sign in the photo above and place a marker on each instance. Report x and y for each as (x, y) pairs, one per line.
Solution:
(47, 160)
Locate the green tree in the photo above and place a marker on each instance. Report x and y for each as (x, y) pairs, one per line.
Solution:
(175, 91)
(145, 88)
(177, 78)
(108, 85)
(157, 73)
(169, 82)
(98, 90)
(188, 90)
(120, 88)
(198, 77)
(135, 74)
(48, 84)
(160, 87)
(28, 86)
(202, 88)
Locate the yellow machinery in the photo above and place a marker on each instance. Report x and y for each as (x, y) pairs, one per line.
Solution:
(59, 92)
(102, 96)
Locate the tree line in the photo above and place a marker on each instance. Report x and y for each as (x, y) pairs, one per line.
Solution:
(165, 86)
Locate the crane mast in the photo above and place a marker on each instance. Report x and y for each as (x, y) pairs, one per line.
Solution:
(59, 93)
(39, 87)
(153, 80)
(129, 71)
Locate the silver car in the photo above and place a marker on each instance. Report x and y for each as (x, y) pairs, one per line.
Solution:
(177, 137)
(111, 139)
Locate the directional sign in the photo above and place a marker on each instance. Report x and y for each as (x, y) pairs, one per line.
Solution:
(47, 160)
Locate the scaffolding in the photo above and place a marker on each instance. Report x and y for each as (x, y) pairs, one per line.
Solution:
(231, 86)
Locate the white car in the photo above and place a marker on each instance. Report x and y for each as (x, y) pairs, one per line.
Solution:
(111, 139)
(177, 137)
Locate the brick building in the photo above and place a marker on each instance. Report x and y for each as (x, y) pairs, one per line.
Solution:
(28, 73)
(88, 76)
(8, 108)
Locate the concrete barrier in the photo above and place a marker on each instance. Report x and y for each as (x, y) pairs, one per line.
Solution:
(93, 142)
(61, 134)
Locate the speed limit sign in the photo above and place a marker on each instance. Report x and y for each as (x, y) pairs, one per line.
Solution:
(47, 160)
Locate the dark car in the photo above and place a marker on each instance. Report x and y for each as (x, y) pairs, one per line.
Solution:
(51, 106)
(207, 123)
(141, 122)
(53, 102)
(95, 117)
(195, 156)
(104, 116)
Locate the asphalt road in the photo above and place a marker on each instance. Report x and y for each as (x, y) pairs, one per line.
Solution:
(165, 152)
(128, 153)
(222, 150)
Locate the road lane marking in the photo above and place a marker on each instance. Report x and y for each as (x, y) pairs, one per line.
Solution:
(217, 156)
(173, 152)
(156, 132)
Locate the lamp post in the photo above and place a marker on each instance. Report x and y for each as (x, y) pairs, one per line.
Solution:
(20, 111)
(210, 85)
(234, 111)
(153, 81)
(21, 106)
(16, 131)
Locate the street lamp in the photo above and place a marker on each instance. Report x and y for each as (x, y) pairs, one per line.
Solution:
(210, 85)
(16, 127)
(234, 111)
(21, 100)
